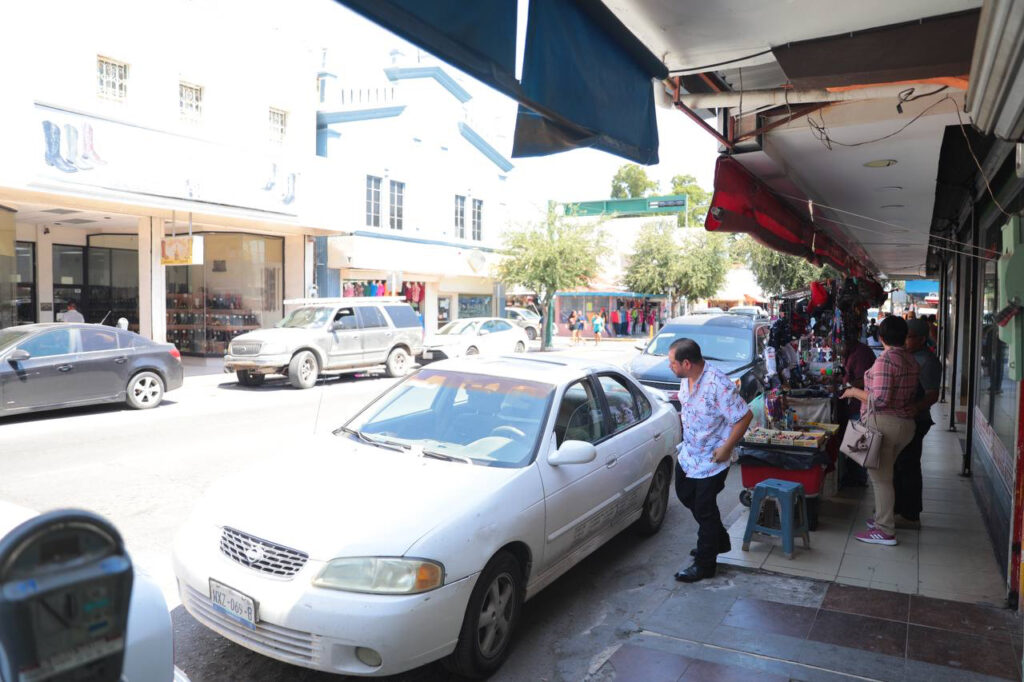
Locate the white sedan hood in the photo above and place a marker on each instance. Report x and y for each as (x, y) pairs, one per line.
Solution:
(353, 500)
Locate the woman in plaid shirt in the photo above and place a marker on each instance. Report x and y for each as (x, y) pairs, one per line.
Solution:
(887, 401)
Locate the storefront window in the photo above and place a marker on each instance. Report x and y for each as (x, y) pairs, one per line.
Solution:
(25, 288)
(997, 392)
(68, 275)
(240, 287)
(473, 305)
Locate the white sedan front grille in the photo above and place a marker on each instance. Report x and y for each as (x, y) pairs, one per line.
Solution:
(261, 555)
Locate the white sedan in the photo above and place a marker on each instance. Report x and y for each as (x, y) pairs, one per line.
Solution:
(475, 336)
(419, 531)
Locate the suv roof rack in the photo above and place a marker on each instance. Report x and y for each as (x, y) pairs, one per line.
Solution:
(344, 299)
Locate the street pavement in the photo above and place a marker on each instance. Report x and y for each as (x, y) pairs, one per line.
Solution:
(144, 470)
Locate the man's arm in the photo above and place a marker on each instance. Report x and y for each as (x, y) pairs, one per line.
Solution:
(724, 451)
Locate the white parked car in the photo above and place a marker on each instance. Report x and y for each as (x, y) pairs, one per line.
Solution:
(417, 534)
(474, 336)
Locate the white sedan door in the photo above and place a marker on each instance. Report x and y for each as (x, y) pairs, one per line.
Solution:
(581, 499)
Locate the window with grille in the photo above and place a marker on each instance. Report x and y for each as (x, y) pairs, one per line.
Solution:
(478, 211)
(460, 217)
(190, 101)
(278, 124)
(372, 201)
(395, 214)
(112, 78)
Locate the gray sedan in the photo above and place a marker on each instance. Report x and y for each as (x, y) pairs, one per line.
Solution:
(53, 365)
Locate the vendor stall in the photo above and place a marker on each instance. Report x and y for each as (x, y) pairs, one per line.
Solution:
(796, 437)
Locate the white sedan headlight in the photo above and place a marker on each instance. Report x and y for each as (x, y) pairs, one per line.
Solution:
(273, 349)
(381, 575)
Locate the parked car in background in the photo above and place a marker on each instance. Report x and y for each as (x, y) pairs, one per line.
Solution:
(752, 310)
(529, 320)
(474, 336)
(732, 343)
(445, 503)
(329, 336)
(51, 365)
(707, 311)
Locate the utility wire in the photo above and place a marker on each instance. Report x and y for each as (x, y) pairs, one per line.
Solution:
(689, 71)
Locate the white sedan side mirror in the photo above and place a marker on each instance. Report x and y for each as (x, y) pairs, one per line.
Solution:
(573, 452)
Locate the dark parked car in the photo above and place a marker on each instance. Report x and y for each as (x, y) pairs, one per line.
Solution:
(732, 343)
(52, 365)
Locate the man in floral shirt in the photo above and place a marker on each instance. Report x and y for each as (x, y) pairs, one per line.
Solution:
(714, 418)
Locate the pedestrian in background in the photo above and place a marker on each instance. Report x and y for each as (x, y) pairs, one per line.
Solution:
(571, 324)
(887, 401)
(714, 418)
(613, 326)
(598, 326)
(72, 314)
(906, 479)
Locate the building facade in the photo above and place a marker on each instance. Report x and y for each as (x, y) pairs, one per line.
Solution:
(412, 190)
(115, 140)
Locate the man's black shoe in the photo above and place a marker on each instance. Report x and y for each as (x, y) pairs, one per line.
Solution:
(722, 549)
(693, 573)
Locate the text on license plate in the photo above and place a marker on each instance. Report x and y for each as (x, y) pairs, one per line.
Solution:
(233, 603)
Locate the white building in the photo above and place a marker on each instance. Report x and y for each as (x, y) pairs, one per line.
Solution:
(414, 191)
(115, 136)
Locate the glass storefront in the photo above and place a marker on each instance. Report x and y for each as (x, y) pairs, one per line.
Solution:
(475, 305)
(68, 277)
(112, 273)
(25, 283)
(9, 303)
(997, 393)
(238, 288)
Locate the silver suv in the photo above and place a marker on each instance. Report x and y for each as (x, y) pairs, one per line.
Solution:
(527, 319)
(329, 336)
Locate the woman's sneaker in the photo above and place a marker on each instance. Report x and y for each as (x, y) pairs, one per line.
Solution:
(875, 536)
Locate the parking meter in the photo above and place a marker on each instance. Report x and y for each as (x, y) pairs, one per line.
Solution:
(65, 588)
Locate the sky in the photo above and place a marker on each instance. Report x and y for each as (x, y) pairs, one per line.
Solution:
(578, 175)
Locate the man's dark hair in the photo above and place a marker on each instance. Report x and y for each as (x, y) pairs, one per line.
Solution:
(72, 304)
(893, 331)
(685, 349)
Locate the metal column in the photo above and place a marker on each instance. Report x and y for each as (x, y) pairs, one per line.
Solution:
(943, 310)
(972, 330)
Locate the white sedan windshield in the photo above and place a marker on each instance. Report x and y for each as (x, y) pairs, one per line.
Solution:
(455, 415)
(458, 327)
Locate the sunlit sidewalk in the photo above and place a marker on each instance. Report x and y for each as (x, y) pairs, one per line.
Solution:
(950, 557)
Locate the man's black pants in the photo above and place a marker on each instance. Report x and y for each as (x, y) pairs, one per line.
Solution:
(906, 476)
(699, 495)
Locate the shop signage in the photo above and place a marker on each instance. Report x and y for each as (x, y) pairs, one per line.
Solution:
(181, 251)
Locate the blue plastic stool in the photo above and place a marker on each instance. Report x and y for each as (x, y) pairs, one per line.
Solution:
(789, 499)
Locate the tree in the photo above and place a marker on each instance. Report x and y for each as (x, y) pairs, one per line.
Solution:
(775, 271)
(698, 200)
(667, 260)
(631, 182)
(555, 255)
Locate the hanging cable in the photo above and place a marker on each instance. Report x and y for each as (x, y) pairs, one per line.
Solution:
(701, 69)
(820, 131)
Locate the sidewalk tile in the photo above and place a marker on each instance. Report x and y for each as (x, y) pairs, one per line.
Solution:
(767, 616)
(967, 652)
(968, 619)
(872, 568)
(811, 559)
(957, 579)
(860, 632)
(865, 602)
(641, 664)
(709, 671)
(919, 671)
(853, 662)
(687, 615)
(782, 647)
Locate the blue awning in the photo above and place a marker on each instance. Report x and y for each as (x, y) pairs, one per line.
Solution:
(586, 77)
(922, 286)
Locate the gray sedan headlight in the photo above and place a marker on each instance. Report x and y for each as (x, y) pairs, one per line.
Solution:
(381, 575)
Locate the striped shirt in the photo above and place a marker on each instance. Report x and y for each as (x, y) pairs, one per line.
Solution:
(891, 383)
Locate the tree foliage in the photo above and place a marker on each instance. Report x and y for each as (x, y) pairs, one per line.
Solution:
(698, 200)
(667, 260)
(774, 271)
(555, 255)
(631, 182)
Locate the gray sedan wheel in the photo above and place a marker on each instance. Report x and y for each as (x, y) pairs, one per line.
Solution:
(145, 390)
(656, 502)
(303, 369)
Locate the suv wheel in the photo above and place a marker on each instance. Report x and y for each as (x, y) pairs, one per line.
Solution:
(398, 363)
(303, 369)
(247, 378)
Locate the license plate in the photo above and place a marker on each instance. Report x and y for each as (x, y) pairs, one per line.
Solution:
(427, 355)
(234, 604)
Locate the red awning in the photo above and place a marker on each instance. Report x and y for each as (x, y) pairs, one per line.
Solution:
(742, 203)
